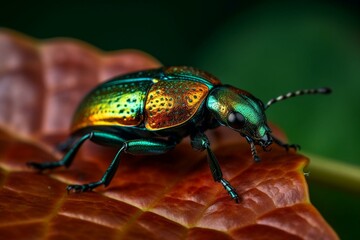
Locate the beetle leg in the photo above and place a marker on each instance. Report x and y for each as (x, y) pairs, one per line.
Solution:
(135, 147)
(200, 142)
(66, 160)
(106, 179)
(285, 145)
(253, 149)
(98, 137)
(66, 145)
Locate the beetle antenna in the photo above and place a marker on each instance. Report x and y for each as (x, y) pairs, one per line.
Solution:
(323, 90)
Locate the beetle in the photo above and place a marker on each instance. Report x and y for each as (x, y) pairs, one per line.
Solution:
(151, 111)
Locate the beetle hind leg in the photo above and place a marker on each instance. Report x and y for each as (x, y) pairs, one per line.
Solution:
(66, 160)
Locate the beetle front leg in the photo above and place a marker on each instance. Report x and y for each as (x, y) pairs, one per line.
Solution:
(253, 149)
(200, 142)
(135, 147)
(285, 145)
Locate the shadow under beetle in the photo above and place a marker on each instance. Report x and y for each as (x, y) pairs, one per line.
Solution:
(149, 112)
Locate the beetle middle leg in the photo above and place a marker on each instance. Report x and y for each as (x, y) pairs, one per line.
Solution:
(200, 142)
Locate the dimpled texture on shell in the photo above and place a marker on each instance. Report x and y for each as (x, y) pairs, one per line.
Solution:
(114, 103)
(171, 103)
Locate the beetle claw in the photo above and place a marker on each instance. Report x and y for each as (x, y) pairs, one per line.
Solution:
(256, 158)
(231, 190)
(40, 166)
(78, 188)
(84, 187)
(35, 165)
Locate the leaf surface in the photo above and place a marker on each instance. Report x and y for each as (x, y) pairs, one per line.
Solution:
(169, 196)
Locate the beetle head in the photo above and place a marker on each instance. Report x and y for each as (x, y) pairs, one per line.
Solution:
(240, 111)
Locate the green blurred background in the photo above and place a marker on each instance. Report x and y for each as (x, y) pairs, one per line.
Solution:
(265, 48)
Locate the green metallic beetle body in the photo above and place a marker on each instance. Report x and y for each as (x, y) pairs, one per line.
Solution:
(161, 102)
(149, 112)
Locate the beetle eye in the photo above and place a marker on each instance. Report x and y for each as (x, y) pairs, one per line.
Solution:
(236, 120)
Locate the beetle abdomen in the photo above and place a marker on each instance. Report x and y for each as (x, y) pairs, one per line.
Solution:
(171, 103)
(116, 103)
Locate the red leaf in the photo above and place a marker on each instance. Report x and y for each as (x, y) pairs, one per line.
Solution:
(170, 196)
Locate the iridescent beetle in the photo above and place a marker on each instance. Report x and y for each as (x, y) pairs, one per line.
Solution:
(149, 112)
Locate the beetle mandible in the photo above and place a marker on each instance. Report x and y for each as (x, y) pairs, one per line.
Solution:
(150, 112)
